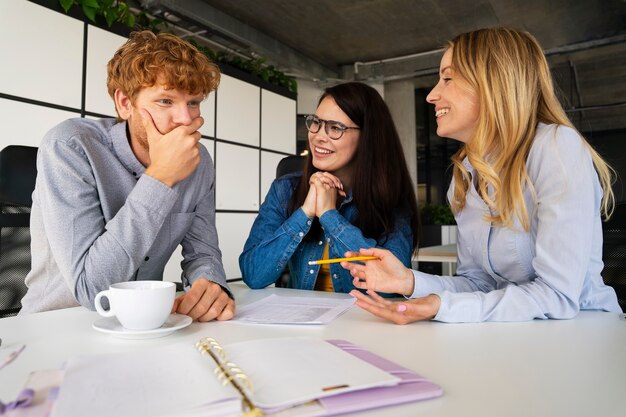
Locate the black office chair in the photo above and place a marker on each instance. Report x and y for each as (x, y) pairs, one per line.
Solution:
(287, 165)
(18, 171)
(614, 252)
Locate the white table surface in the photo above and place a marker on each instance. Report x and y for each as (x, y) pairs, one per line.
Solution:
(540, 368)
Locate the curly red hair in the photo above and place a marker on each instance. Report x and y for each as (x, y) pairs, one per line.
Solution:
(147, 57)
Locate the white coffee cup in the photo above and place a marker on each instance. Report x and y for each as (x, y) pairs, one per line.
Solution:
(138, 305)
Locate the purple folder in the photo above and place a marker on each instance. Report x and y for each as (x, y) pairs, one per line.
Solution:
(413, 387)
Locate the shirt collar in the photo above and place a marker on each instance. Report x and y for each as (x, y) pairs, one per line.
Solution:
(468, 166)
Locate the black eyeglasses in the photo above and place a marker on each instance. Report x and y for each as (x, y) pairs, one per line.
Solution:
(334, 130)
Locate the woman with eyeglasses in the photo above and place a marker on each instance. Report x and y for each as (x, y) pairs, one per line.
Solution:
(528, 193)
(355, 192)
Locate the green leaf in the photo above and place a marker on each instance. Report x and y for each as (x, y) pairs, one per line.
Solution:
(110, 16)
(293, 85)
(156, 25)
(90, 13)
(158, 22)
(129, 20)
(66, 4)
(122, 8)
(92, 4)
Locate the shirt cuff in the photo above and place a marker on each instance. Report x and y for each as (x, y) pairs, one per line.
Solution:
(298, 224)
(333, 222)
(187, 285)
(425, 284)
(150, 190)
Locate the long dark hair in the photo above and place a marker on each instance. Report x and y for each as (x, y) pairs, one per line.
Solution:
(381, 185)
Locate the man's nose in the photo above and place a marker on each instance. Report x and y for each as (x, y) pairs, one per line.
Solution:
(182, 115)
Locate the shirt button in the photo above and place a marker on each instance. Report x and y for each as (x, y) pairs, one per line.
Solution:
(147, 258)
(335, 276)
(300, 234)
(320, 242)
(308, 222)
(311, 271)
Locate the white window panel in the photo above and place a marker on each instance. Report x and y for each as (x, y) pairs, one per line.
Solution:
(210, 146)
(238, 111)
(269, 162)
(41, 52)
(233, 230)
(207, 109)
(17, 122)
(101, 45)
(173, 271)
(278, 122)
(237, 172)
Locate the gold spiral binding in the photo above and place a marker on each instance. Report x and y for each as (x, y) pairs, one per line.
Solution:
(229, 373)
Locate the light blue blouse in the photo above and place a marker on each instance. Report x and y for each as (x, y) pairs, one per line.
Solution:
(550, 272)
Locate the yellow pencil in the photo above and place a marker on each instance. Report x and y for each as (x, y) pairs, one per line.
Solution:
(335, 260)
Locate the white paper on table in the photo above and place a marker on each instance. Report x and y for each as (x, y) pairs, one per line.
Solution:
(278, 309)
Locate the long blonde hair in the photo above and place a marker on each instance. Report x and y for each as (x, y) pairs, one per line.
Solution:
(509, 72)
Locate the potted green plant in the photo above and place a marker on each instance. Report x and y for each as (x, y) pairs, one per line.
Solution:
(438, 226)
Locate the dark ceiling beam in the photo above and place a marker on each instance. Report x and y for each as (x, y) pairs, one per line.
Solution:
(426, 64)
(596, 107)
(276, 53)
(583, 46)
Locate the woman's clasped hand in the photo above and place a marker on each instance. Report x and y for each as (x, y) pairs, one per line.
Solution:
(323, 193)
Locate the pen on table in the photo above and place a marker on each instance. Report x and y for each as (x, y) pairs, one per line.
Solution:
(335, 260)
(12, 356)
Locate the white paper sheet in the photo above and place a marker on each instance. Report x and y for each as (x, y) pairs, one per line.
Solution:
(277, 309)
(293, 370)
(154, 382)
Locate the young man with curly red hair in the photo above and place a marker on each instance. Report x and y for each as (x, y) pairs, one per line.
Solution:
(114, 198)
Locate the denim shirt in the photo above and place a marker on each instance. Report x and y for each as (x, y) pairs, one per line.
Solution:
(277, 240)
(551, 271)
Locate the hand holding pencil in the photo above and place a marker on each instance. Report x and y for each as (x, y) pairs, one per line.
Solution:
(385, 273)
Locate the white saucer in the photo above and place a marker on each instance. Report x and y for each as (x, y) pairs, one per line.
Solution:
(113, 327)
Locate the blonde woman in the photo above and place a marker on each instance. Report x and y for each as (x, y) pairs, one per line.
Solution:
(528, 194)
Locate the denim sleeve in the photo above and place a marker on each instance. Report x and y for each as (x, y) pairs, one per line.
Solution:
(344, 237)
(273, 238)
(202, 257)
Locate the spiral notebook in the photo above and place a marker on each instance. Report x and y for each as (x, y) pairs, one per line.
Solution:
(279, 377)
